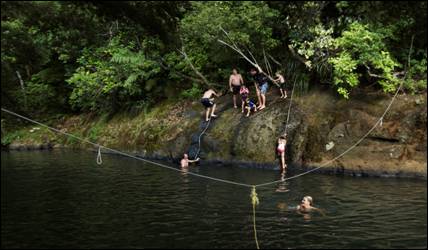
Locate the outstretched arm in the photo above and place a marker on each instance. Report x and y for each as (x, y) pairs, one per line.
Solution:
(190, 161)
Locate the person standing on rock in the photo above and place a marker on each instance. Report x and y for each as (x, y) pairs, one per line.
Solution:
(235, 81)
(261, 84)
(209, 104)
(281, 80)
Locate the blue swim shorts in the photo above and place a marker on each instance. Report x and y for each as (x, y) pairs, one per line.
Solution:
(264, 88)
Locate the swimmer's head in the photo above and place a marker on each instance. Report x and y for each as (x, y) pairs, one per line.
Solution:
(185, 156)
(307, 200)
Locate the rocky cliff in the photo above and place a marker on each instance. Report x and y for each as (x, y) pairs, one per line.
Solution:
(321, 126)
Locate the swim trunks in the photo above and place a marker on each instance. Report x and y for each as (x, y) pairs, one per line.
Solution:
(207, 102)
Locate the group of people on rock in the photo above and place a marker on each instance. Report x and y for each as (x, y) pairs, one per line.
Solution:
(237, 87)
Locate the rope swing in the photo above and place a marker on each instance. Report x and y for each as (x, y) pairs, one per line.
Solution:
(99, 159)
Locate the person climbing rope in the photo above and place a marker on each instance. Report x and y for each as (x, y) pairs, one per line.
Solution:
(185, 161)
(235, 81)
(282, 142)
(209, 104)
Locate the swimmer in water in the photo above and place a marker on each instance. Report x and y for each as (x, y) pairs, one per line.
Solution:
(185, 161)
(306, 206)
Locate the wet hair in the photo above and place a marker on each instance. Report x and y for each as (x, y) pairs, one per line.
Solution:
(284, 136)
(309, 199)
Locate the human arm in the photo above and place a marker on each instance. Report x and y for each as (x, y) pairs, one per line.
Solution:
(241, 79)
(319, 211)
(195, 160)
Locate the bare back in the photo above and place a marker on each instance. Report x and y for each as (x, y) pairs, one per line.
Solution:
(208, 93)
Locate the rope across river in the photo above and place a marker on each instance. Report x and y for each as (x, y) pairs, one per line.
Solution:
(253, 187)
(253, 195)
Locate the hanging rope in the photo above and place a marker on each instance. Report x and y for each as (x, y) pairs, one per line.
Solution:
(99, 160)
(125, 154)
(199, 140)
(254, 202)
(254, 198)
(289, 106)
(379, 121)
(344, 152)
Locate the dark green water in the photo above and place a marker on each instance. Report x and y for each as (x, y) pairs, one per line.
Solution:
(63, 199)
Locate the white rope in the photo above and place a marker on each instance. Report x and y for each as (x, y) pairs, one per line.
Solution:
(203, 132)
(125, 154)
(289, 107)
(344, 152)
(99, 160)
(275, 61)
(379, 121)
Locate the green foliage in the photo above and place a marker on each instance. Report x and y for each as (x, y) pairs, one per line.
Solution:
(416, 79)
(359, 46)
(192, 93)
(112, 75)
(248, 24)
(9, 137)
(105, 56)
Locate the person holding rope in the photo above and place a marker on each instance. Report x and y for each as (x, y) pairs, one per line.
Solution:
(261, 84)
(235, 81)
(282, 142)
(209, 104)
(281, 80)
(185, 161)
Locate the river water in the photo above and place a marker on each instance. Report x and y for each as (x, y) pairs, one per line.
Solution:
(63, 199)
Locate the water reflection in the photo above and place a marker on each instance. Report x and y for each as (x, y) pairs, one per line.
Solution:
(283, 185)
(184, 174)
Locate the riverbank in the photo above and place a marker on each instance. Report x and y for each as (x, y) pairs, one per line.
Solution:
(321, 126)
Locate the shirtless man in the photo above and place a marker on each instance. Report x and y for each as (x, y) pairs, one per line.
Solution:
(209, 104)
(185, 161)
(235, 81)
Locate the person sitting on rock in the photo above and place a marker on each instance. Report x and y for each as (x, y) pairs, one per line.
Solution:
(250, 106)
(282, 142)
(185, 161)
(209, 104)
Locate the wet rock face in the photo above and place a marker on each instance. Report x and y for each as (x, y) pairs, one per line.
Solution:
(320, 127)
